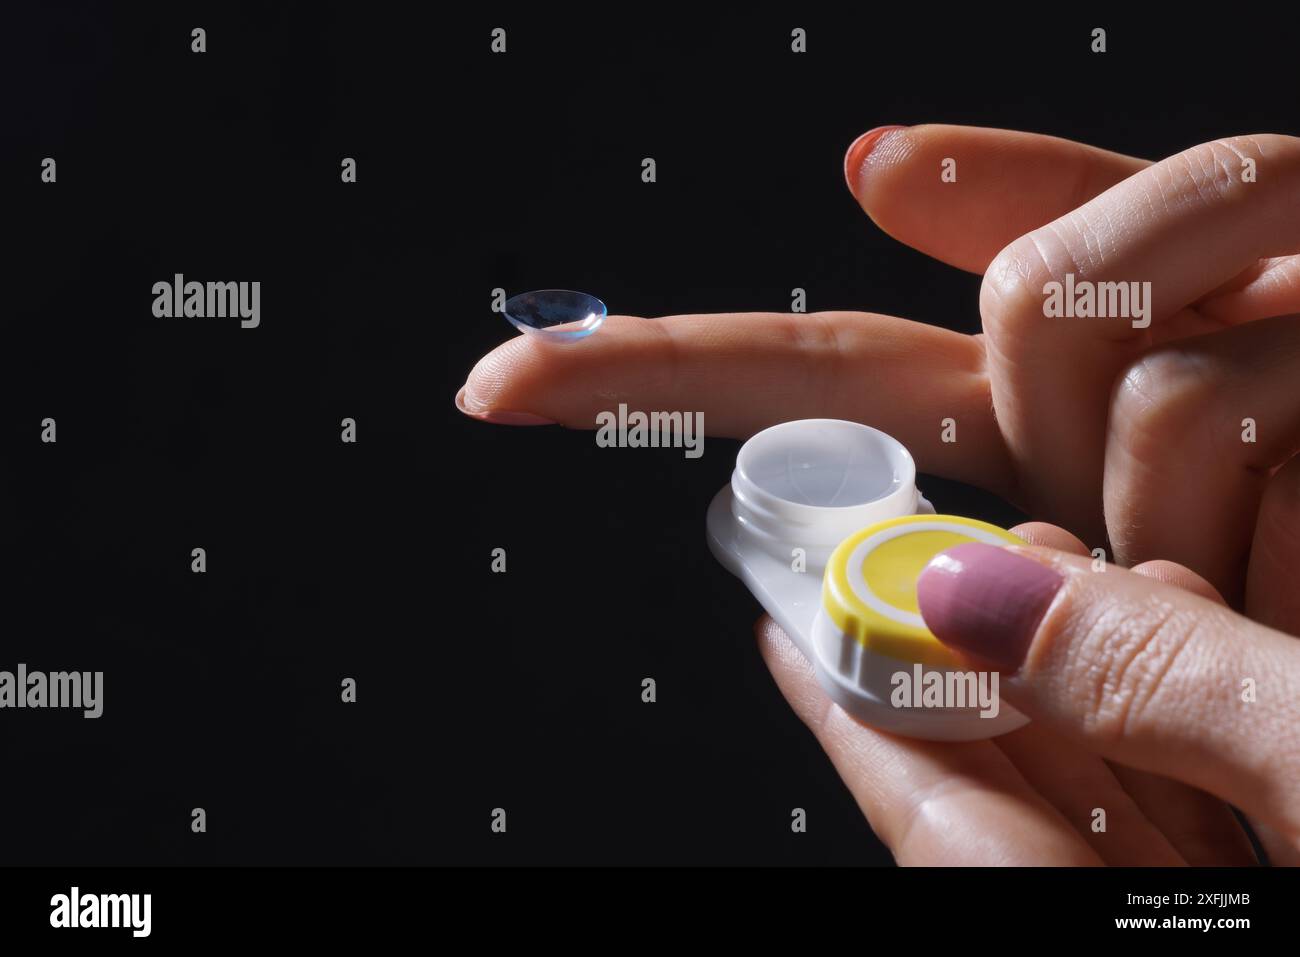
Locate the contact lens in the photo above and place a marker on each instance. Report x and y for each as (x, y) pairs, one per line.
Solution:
(561, 315)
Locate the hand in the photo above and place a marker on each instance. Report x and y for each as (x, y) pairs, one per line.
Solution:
(1110, 430)
(1134, 681)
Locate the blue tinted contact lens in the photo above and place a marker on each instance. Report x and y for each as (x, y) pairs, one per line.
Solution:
(561, 315)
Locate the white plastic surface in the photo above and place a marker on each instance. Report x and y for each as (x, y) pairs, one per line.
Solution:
(808, 485)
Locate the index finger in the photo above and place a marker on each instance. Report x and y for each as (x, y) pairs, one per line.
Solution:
(746, 371)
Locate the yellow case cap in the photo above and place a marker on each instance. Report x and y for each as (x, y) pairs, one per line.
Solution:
(869, 591)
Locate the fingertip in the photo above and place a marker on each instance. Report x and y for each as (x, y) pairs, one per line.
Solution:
(986, 601)
(860, 150)
(776, 647)
(1180, 576)
(1050, 536)
(515, 383)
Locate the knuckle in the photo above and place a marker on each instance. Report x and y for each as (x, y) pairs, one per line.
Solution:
(1213, 171)
(1264, 147)
(928, 809)
(815, 339)
(1120, 663)
(1159, 400)
(1012, 292)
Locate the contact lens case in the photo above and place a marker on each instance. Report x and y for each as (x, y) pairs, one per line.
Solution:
(823, 523)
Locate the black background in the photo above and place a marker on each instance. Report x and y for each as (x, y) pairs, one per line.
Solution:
(371, 561)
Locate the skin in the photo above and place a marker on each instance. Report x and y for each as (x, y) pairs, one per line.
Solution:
(1026, 798)
(1117, 433)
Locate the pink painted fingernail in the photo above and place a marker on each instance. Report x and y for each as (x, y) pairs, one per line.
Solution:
(986, 601)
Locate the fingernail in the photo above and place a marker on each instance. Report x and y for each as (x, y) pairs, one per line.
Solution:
(986, 601)
(497, 417)
(858, 152)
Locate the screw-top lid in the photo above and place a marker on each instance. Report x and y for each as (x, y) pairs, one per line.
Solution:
(869, 591)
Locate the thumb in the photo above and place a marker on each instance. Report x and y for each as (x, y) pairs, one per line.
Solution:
(1141, 672)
